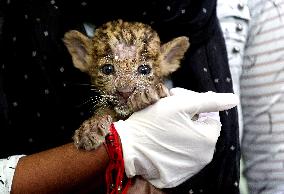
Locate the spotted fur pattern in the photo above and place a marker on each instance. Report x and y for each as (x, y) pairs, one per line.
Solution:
(127, 64)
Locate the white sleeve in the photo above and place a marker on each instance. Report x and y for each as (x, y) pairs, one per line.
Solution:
(7, 169)
(234, 17)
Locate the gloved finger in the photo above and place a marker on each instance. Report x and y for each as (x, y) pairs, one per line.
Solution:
(181, 91)
(212, 115)
(209, 127)
(204, 102)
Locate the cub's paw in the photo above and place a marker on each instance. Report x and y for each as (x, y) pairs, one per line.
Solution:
(92, 132)
(146, 97)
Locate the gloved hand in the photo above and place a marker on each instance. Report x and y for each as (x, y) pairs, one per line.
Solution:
(162, 142)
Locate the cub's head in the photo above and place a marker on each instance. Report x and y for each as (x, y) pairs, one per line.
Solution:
(124, 57)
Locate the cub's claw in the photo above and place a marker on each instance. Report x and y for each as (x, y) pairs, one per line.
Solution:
(92, 132)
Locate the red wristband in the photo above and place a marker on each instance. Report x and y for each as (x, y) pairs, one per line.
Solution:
(116, 181)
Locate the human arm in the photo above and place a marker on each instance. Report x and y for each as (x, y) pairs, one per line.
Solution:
(60, 170)
(234, 19)
(65, 168)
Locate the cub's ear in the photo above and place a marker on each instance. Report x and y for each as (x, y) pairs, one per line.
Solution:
(80, 47)
(171, 54)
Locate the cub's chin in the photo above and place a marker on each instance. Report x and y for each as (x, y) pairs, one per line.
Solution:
(123, 111)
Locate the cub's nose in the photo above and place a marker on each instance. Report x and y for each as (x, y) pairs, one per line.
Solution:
(125, 92)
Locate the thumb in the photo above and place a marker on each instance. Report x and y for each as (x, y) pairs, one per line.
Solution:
(205, 102)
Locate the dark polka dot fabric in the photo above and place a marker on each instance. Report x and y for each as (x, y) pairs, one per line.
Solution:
(43, 98)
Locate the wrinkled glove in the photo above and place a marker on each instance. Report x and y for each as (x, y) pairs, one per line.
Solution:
(164, 144)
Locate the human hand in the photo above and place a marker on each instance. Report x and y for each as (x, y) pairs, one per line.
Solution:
(164, 145)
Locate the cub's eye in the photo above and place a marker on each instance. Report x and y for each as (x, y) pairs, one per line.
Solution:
(144, 69)
(107, 69)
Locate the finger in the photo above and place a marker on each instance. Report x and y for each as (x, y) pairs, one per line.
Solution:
(209, 127)
(181, 91)
(212, 115)
(204, 102)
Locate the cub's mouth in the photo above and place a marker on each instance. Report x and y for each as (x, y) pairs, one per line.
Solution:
(124, 96)
(121, 106)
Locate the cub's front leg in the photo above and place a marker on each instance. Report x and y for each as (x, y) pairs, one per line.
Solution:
(92, 132)
(142, 99)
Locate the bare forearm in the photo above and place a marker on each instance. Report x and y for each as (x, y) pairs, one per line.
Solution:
(60, 170)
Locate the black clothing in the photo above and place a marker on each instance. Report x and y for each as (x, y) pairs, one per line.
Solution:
(42, 95)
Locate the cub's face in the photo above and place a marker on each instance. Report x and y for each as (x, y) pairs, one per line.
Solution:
(124, 58)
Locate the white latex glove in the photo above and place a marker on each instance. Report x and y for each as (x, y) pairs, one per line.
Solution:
(164, 145)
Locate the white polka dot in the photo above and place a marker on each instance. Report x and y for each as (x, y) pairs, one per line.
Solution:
(34, 53)
(205, 69)
(64, 84)
(3, 66)
(144, 13)
(38, 114)
(45, 33)
(216, 80)
(228, 79)
(15, 104)
(30, 140)
(38, 19)
(61, 69)
(232, 148)
(168, 8)
(52, 2)
(204, 10)
(14, 39)
(84, 3)
(183, 11)
(236, 184)
(46, 91)
(26, 16)
(25, 76)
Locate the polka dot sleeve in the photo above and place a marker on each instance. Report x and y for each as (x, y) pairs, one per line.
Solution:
(7, 169)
